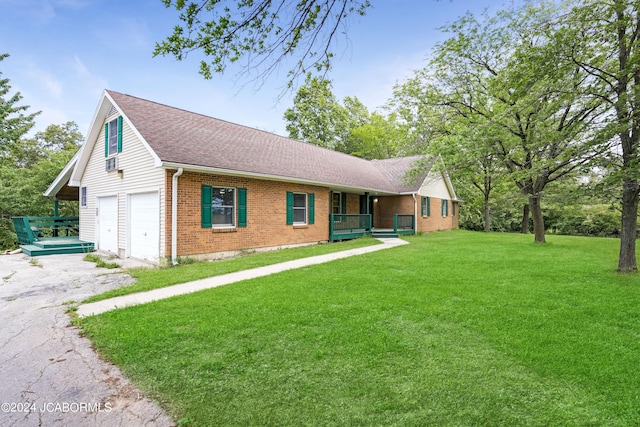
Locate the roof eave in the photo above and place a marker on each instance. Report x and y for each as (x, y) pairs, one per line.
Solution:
(269, 177)
(63, 177)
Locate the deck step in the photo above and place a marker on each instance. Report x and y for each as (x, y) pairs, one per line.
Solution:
(49, 244)
(384, 234)
(34, 250)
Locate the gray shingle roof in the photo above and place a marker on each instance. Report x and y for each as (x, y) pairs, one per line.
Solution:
(183, 137)
(405, 174)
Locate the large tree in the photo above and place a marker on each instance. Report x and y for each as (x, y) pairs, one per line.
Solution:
(602, 38)
(501, 75)
(14, 120)
(265, 33)
(317, 117)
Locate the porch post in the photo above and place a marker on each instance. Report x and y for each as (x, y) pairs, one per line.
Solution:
(366, 198)
(55, 217)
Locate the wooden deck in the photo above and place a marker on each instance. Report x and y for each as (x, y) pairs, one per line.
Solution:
(57, 245)
(46, 235)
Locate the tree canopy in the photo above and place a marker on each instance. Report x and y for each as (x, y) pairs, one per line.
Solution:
(264, 33)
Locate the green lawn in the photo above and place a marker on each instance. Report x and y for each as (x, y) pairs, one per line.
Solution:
(152, 278)
(457, 328)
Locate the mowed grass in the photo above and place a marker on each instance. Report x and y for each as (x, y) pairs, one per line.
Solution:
(153, 278)
(457, 328)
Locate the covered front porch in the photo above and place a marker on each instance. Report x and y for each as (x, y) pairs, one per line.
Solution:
(345, 226)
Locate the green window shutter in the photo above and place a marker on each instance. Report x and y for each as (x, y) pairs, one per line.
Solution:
(428, 206)
(106, 139)
(206, 206)
(119, 134)
(424, 206)
(242, 207)
(344, 203)
(289, 208)
(453, 209)
(312, 208)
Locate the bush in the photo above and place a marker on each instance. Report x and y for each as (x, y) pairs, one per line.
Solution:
(8, 237)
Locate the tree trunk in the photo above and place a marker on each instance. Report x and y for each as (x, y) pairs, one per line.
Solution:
(487, 214)
(538, 220)
(525, 220)
(627, 261)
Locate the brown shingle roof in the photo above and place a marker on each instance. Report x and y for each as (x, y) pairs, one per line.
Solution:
(183, 137)
(405, 174)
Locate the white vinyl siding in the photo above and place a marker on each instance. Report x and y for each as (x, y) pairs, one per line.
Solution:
(138, 175)
(434, 186)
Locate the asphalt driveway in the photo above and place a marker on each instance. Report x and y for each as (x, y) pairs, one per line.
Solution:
(49, 374)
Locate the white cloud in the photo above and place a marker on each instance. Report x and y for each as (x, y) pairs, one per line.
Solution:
(129, 34)
(41, 11)
(91, 83)
(45, 81)
(73, 4)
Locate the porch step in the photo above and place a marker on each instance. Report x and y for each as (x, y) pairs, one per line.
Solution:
(62, 243)
(384, 234)
(35, 250)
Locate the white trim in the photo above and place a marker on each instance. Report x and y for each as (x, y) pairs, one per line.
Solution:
(100, 115)
(235, 209)
(306, 208)
(63, 177)
(268, 177)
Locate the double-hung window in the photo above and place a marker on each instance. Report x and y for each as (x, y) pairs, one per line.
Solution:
(223, 207)
(426, 206)
(113, 137)
(83, 197)
(336, 203)
(445, 208)
(299, 208)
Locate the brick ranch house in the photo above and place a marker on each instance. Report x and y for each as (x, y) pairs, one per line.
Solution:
(158, 182)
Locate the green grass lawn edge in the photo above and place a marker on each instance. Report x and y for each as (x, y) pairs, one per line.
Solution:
(158, 277)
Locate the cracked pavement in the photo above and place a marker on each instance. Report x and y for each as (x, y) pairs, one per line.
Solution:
(49, 374)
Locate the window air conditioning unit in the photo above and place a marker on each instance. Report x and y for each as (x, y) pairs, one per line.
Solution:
(112, 164)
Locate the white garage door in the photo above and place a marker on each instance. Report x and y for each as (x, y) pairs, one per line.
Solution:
(108, 224)
(144, 226)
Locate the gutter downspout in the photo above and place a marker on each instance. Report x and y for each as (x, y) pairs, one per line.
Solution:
(174, 216)
(415, 214)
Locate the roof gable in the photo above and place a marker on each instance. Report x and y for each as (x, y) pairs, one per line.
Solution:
(104, 110)
(179, 138)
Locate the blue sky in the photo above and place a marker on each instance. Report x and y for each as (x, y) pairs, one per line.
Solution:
(64, 53)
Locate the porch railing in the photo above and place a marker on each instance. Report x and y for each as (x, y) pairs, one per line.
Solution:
(343, 226)
(34, 228)
(403, 224)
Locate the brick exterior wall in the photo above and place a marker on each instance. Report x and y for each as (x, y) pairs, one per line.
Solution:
(266, 216)
(387, 206)
(435, 221)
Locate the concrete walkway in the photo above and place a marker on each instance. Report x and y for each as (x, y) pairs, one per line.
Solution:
(225, 279)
